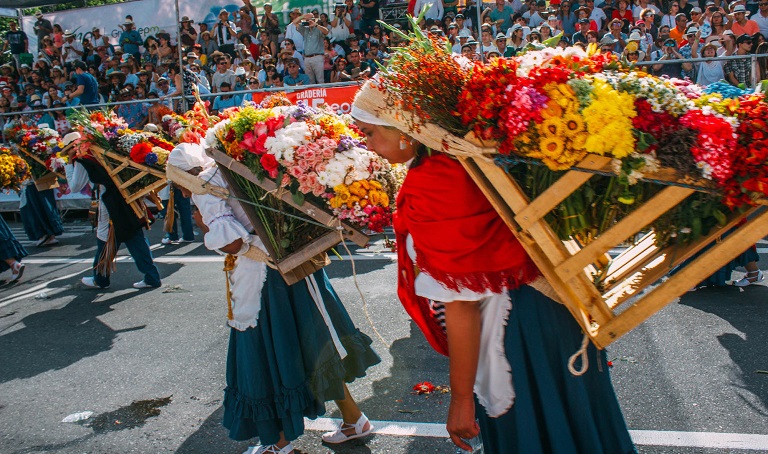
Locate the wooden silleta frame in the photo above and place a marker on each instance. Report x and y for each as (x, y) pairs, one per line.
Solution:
(610, 312)
(307, 259)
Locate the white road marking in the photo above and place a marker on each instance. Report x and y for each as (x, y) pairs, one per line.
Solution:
(639, 437)
(191, 259)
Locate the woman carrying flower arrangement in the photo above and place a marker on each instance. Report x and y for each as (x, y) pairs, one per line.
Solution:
(472, 289)
(292, 347)
(117, 223)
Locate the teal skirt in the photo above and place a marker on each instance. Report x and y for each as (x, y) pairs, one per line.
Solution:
(287, 367)
(10, 248)
(40, 215)
(554, 411)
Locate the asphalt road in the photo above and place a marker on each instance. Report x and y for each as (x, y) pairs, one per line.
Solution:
(150, 364)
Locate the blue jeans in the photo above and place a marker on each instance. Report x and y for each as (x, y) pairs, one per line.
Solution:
(183, 207)
(138, 247)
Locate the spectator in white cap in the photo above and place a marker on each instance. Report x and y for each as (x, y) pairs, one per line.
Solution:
(130, 39)
(292, 32)
(761, 17)
(42, 28)
(464, 36)
(225, 33)
(99, 40)
(710, 71)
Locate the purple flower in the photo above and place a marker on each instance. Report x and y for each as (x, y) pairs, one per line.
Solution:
(347, 143)
(150, 159)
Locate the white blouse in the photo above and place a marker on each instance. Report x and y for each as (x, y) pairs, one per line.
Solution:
(493, 382)
(227, 222)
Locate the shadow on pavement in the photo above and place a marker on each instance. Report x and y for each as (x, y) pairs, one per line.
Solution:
(743, 310)
(414, 361)
(57, 338)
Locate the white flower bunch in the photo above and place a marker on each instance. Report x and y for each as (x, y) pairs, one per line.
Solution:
(286, 139)
(347, 167)
(211, 140)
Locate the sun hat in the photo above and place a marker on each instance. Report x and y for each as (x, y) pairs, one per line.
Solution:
(607, 40)
(68, 33)
(186, 19)
(740, 9)
(38, 14)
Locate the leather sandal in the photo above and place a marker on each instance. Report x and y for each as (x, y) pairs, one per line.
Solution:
(752, 277)
(270, 449)
(338, 436)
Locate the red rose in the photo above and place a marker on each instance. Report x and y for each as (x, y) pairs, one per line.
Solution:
(269, 163)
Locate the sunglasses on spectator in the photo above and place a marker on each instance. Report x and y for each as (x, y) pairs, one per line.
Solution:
(253, 82)
(681, 19)
(763, 4)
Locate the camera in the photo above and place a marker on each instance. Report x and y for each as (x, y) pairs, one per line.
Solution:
(712, 9)
(304, 23)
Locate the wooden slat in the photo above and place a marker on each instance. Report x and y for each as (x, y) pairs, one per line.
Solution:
(317, 246)
(39, 161)
(115, 171)
(137, 177)
(559, 191)
(670, 257)
(677, 285)
(317, 213)
(542, 245)
(642, 216)
(156, 186)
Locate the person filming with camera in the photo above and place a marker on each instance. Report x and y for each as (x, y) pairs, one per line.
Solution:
(314, 49)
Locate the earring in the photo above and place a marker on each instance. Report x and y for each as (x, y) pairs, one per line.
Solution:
(403, 142)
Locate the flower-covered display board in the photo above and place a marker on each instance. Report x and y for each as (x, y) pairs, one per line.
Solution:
(315, 154)
(13, 170)
(40, 147)
(104, 131)
(189, 127)
(546, 110)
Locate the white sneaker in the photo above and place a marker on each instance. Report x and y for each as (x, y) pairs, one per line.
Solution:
(168, 241)
(90, 282)
(185, 241)
(42, 241)
(141, 285)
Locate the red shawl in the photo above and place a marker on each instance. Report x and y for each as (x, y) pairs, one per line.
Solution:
(459, 239)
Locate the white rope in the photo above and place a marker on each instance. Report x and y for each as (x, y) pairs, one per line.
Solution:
(584, 358)
(359, 291)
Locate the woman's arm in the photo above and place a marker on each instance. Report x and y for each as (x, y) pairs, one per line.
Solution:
(463, 325)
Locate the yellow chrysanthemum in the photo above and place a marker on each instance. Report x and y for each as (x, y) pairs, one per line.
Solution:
(609, 121)
(579, 141)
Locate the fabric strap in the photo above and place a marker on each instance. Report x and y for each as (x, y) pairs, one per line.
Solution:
(314, 291)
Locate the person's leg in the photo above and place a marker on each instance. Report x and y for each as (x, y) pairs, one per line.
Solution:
(138, 247)
(354, 423)
(98, 279)
(184, 210)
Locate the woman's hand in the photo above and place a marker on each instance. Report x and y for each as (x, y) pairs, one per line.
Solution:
(461, 421)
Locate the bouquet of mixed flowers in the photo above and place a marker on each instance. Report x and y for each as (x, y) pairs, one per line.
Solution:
(134, 159)
(189, 127)
(546, 109)
(40, 147)
(143, 147)
(315, 154)
(13, 170)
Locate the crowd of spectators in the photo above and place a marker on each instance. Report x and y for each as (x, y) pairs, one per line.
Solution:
(249, 49)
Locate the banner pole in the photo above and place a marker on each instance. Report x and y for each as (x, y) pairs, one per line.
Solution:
(180, 48)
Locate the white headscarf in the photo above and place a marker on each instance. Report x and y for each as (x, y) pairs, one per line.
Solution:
(187, 156)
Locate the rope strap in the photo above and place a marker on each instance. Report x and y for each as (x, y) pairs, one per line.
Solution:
(584, 358)
(229, 265)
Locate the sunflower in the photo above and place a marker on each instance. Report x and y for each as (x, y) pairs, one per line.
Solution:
(574, 124)
(551, 146)
(551, 127)
(551, 110)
